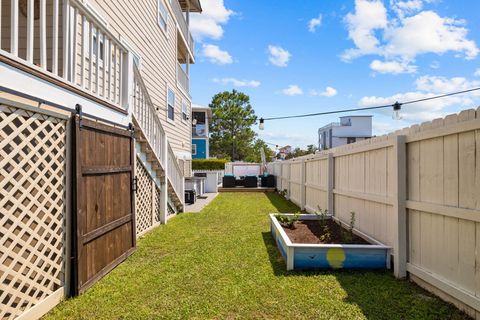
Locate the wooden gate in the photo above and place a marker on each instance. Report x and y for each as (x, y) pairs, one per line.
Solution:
(104, 217)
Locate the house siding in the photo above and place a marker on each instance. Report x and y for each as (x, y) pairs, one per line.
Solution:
(136, 23)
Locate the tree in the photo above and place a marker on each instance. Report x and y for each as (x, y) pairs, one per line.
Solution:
(255, 152)
(311, 148)
(231, 135)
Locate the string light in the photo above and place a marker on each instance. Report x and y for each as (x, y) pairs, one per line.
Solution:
(396, 108)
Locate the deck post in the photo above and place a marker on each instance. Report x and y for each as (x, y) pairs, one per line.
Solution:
(127, 82)
(330, 183)
(399, 208)
(302, 185)
(164, 183)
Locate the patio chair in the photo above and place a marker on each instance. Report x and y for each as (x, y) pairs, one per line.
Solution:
(228, 181)
(251, 182)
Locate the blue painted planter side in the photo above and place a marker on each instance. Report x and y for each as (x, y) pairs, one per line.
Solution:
(328, 256)
(282, 246)
(336, 258)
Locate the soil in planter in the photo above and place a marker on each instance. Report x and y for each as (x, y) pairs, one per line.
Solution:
(309, 231)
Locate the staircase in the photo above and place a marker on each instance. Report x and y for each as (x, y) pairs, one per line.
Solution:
(154, 144)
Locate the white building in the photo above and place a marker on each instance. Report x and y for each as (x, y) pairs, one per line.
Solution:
(350, 129)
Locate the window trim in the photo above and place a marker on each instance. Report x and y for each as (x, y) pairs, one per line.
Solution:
(168, 104)
(167, 18)
(184, 112)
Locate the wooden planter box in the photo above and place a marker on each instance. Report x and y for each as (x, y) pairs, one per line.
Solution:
(329, 256)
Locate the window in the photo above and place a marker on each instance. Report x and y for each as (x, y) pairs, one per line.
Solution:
(162, 15)
(171, 104)
(184, 111)
(346, 122)
(351, 140)
(194, 149)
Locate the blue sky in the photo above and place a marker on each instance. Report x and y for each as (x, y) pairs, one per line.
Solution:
(307, 56)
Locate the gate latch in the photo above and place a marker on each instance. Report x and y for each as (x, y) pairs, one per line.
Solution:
(135, 184)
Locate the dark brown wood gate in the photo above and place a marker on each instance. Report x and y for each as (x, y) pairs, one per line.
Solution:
(104, 217)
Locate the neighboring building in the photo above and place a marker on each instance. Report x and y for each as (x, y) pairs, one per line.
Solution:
(96, 138)
(350, 129)
(200, 134)
(284, 151)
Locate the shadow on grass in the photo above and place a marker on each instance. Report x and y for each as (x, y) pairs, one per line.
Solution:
(376, 292)
(281, 204)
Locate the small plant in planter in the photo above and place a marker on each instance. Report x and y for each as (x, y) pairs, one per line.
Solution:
(322, 221)
(289, 222)
(347, 235)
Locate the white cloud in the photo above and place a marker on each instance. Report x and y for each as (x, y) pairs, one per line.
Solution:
(278, 56)
(435, 65)
(428, 86)
(216, 55)
(444, 85)
(427, 32)
(209, 23)
(237, 83)
(395, 67)
(292, 90)
(368, 17)
(328, 92)
(477, 73)
(314, 23)
(403, 8)
(411, 32)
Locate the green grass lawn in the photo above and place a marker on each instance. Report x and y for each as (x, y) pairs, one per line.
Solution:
(223, 264)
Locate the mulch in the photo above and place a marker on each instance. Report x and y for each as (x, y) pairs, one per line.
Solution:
(312, 231)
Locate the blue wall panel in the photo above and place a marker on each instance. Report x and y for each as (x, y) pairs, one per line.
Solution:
(201, 148)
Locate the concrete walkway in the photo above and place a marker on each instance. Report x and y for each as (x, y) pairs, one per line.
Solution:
(200, 203)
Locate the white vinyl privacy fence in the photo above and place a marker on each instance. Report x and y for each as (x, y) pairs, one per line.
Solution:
(417, 189)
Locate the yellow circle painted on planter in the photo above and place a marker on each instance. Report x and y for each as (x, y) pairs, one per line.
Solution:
(335, 257)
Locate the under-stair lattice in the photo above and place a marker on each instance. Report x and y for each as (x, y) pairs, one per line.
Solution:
(32, 208)
(143, 199)
(158, 200)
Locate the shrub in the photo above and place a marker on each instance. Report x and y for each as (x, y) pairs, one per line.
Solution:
(209, 164)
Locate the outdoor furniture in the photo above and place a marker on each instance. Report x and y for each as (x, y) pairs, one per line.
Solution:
(228, 181)
(240, 182)
(268, 181)
(251, 182)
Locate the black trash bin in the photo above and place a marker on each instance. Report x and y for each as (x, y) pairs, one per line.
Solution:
(190, 196)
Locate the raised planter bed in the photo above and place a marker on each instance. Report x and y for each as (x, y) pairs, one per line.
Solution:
(303, 256)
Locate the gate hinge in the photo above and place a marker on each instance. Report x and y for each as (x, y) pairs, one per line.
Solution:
(132, 129)
(135, 184)
(78, 110)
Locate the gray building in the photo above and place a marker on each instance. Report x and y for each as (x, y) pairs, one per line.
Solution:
(350, 129)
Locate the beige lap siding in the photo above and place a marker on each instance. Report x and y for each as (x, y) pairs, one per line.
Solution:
(136, 23)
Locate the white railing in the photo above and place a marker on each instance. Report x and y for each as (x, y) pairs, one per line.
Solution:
(70, 43)
(182, 78)
(145, 115)
(146, 118)
(182, 23)
(175, 174)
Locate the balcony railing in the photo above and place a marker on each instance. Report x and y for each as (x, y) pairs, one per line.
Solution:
(69, 43)
(146, 118)
(182, 23)
(182, 78)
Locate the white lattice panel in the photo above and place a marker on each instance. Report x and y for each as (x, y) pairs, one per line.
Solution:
(32, 208)
(157, 204)
(143, 199)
